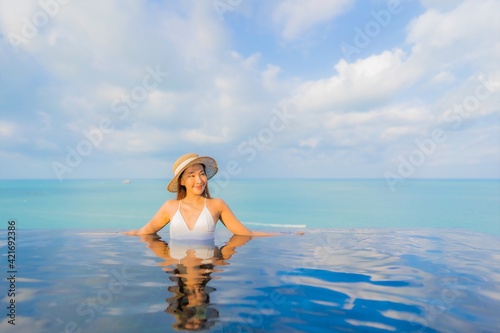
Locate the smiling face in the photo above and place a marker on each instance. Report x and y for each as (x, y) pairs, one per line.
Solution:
(194, 179)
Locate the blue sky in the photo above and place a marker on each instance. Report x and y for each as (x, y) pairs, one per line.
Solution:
(300, 89)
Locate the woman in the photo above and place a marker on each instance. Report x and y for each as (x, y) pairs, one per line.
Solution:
(194, 214)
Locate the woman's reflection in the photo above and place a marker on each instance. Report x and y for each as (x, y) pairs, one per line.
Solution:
(191, 265)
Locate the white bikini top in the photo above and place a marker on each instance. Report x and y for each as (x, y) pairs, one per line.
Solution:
(203, 229)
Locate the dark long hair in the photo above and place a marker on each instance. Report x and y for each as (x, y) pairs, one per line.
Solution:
(181, 189)
(191, 317)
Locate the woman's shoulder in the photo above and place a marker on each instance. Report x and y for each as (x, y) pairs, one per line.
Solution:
(170, 204)
(216, 202)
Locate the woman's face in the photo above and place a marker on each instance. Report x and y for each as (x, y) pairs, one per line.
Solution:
(194, 179)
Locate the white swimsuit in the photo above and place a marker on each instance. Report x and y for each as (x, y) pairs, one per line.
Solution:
(201, 249)
(203, 229)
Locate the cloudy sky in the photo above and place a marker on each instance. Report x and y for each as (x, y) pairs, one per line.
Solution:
(285, 88)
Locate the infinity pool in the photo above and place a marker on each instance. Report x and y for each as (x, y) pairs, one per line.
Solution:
(328, 280)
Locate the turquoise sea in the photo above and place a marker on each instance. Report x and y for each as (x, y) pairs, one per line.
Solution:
(466, 204)
(424, 258)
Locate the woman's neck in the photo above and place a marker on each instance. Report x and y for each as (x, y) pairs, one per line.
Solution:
(191, 197)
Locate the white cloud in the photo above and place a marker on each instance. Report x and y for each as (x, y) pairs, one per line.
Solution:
(379, 127)
(457, 37)
(364, 83)
(379, 105)
(197, 36)
(138, 139)
(96, 50)
(295, 17)
(394, 114)
(440, 5)
(311, 142)
(475, 97)
(12, 135)
(443, 77)
(7, 129)
(197, 136)
(269, 77)
(16, 16)
(221, 87)
(396, 132)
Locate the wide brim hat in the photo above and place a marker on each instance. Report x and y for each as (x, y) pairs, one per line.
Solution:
(185, 162)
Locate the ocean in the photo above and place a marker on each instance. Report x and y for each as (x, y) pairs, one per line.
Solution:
(422, 258)
(465, 204)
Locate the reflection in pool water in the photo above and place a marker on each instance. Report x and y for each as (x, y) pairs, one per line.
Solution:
(193, 263)
(329, 280)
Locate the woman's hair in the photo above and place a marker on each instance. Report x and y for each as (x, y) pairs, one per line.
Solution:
(192, 315)
(181, 192)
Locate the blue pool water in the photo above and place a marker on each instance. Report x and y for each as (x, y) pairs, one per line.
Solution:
(328, 280)
(424, 258)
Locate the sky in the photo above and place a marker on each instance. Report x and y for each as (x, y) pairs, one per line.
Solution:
(270, 89)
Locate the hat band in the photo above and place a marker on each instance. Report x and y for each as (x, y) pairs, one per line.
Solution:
(183, 164)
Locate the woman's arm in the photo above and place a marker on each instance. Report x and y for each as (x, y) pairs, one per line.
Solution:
(233, 224)
(154, 225)
(229, 248)
(159, 247)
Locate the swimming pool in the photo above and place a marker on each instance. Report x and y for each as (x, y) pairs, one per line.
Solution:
(328, 280)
